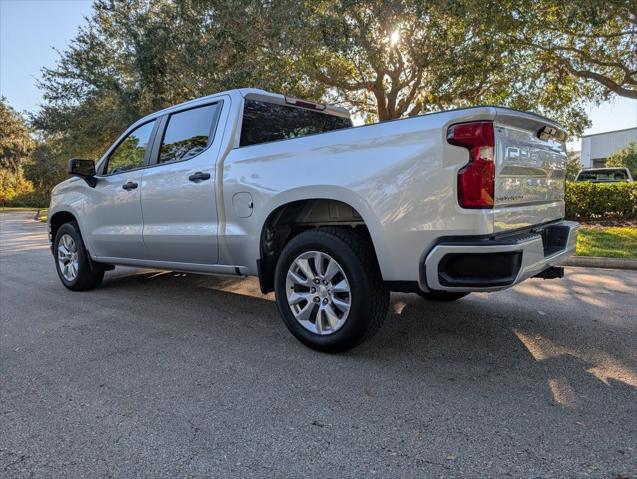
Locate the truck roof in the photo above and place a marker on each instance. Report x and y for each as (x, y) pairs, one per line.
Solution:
(258, 94)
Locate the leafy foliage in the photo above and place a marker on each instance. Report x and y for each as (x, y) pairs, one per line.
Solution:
(13, 185)
(389, 59)
(626, 157)
(592, 40)
(47, 166)
(135, 57)
(15, 142)
(15, 146)
(383, 59)
(586, 200)
(573, 165)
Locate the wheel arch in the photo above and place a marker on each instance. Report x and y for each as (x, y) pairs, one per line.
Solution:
(298, 210)
(57, 220)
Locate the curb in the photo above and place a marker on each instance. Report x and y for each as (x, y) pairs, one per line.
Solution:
(601, 262)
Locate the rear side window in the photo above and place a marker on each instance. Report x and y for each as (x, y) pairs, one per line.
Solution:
(263, 122)
(129, 154)
(188, 133)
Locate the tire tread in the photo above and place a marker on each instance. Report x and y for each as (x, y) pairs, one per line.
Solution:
(86, 280)
(379, 294)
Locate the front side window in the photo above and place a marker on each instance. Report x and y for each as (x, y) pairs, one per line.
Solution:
(129, 154)
(263, 122)
(187, 133)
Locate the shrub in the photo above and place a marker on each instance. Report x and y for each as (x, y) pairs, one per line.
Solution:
(32, 199)
(573, 165)
(13, 184)
(586, 200)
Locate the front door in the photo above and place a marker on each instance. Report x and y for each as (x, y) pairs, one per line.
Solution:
(178, 192)
(113, 209)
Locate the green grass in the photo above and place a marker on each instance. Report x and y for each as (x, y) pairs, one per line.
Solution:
(607, 241)
(16, 208)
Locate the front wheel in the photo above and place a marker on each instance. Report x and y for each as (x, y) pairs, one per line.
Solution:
(329, 290)
(72, 261)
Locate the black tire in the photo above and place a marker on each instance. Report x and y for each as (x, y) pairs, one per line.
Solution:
(369, 295)
(89, 275)
(442, 296)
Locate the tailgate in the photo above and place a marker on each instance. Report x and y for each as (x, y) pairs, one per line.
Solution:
(530, 170)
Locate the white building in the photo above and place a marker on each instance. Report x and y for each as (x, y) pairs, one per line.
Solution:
(598, 147)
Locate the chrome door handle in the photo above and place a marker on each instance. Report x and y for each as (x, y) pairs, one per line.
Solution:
(199, 176)
(131, 185)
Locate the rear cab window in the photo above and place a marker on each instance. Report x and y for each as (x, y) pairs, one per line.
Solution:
(264, 122)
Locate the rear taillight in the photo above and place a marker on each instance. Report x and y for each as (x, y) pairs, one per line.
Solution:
(477, 178)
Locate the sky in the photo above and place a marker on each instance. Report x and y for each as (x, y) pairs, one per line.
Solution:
(31, 30)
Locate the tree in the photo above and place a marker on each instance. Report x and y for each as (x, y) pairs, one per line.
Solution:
(15, 141)
(573, 165)
(384, 59)
(46, 167)
(15, 146)
(134, 57)
(406, 57)
(594, 40)
(626, 158)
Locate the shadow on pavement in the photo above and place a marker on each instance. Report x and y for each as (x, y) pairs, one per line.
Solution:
(465, 342)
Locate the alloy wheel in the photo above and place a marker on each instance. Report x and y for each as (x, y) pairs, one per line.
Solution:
(318, 292)
(67, 257)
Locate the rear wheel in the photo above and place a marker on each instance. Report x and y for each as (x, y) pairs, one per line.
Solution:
(329, 290)
(441, 296)
(72, 261)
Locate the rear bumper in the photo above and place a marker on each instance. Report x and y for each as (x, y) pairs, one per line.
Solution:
(491, 264)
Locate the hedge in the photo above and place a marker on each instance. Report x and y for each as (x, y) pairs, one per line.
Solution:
(599, 201)
(33, 199)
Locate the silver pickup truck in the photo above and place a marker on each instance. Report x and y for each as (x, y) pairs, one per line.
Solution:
(329, 216)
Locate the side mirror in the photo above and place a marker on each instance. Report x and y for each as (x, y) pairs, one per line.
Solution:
(84, 169)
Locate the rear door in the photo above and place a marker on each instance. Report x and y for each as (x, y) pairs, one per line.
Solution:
(530, 170)
(178, 191)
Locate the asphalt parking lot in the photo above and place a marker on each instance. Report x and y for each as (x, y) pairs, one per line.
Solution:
(160, 374)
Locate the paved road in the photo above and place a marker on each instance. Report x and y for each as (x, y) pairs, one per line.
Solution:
(158, 374)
